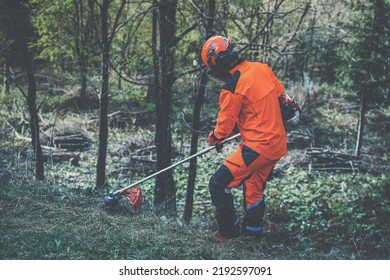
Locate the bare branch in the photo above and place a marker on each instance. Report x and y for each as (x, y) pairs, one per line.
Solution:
(116, 22)
(263, 28)
(19, 87)
(185, 32)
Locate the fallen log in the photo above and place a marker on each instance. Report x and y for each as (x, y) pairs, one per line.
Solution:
(323, 159)
(60, 155)
(125, 118)
(300, 139)
(66, 138)
(329, 155)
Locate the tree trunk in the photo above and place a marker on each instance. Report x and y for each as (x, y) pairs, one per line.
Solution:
(188, 209)
(34, 120)
(369, 87)
(165, 190)
(156, 90)
(189, 204)
(211, 18)
(83, 82)
(19, 26)
(155, 84)
(103, 123)
(359, 140)
(79, 46)
(6, 77)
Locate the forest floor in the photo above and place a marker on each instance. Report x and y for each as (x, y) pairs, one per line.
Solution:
(39, 222)
(322, 203)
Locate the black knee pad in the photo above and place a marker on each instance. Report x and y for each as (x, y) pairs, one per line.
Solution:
(220, 180)
(223, 201)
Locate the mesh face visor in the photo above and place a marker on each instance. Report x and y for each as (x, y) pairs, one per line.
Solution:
(220, 73)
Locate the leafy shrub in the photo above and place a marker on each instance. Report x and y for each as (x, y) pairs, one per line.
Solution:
(333, 209)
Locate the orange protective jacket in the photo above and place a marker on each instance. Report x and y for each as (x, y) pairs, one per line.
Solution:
(250, 101)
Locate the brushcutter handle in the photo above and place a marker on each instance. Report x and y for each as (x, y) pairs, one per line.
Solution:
(231, 138)
(174, 165)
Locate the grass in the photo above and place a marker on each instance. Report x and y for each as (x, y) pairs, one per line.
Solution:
(310, 215)
(40, 220)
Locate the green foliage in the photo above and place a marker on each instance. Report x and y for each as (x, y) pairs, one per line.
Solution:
(54, 41)
(330, 210)
(367, 48)
(338, 217)
(52, 222)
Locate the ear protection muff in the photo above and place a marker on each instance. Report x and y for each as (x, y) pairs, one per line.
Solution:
(223, 59)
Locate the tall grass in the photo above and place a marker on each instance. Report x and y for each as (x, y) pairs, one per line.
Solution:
(310, 215)
(41, 220)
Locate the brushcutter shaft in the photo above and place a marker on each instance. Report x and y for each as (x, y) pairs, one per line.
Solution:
(174, 165)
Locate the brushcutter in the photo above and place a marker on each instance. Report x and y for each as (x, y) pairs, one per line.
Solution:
(134, 192)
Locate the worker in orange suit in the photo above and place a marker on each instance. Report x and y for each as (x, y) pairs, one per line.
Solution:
(253, 100)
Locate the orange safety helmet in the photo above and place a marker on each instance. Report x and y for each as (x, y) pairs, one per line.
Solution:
(213, 48)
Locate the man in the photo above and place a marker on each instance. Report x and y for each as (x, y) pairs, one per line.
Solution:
(252, 99)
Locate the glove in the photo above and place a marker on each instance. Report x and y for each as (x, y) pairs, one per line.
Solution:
(215, 141)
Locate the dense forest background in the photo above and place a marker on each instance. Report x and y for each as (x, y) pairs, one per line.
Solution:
(97, 94)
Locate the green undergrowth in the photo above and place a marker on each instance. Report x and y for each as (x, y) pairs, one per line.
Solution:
(328, 210)
(41, 220)
(309, 215)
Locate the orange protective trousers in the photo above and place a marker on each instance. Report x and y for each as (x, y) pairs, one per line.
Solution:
(253, 172)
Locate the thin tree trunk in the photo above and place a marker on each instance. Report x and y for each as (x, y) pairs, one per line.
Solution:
(367, 89)
(359, 140)
(18, 26)
(34, 121)
(106, 39)
(156, 64)
(165, 189)
(188, 209)
(83, 37)
(103, 123)
(6, 77)
(189, 204)
(154, 80)
(78, 47)
(83, 81)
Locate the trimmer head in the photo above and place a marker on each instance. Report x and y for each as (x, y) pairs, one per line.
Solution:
(133, 196)
(112, 199)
